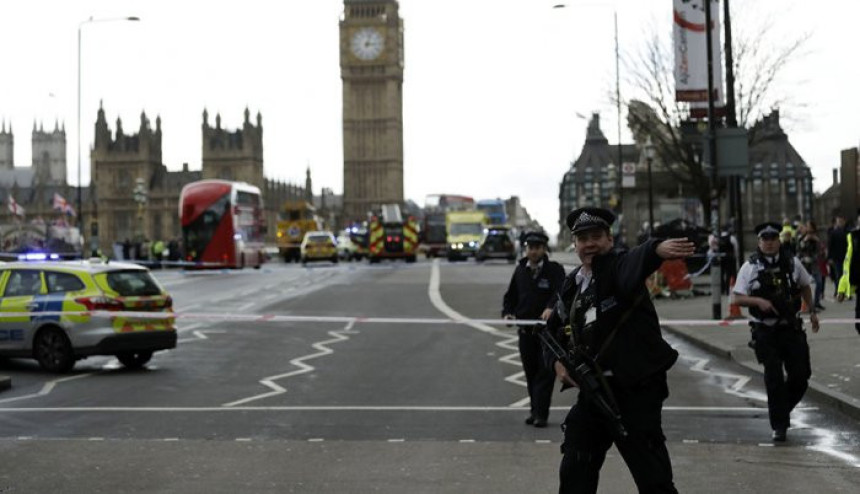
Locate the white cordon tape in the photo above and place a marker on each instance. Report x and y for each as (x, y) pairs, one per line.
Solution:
(221, 316)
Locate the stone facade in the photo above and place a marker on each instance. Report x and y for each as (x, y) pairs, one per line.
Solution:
(779, 184)
(592, 179)
(119, 158)
(228, 155)
(371, 61)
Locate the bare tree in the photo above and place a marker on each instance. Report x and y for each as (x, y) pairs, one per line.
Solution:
(758, 63)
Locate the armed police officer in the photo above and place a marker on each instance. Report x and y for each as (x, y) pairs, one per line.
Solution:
(531, 295)
(606, 320)
(771, 284)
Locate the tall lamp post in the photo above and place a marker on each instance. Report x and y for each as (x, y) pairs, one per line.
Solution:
(649, 157)
(620, 179)
(80, 28)
(140, 197)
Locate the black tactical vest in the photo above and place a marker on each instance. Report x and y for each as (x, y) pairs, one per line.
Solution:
(582, 331)
(777, 285)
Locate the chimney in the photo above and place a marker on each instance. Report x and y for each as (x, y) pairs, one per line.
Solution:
(185, 167)
(836, 176)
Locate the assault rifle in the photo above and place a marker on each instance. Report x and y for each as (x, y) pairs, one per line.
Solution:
(589, 378)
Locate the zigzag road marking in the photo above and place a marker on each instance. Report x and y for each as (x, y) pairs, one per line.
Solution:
(47, 387)
(508, 341)
(303, 368)
(827, 441)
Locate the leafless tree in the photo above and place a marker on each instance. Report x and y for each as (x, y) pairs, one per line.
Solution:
(760, 57)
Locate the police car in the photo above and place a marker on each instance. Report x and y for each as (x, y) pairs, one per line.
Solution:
(319, 246)
(34, 296)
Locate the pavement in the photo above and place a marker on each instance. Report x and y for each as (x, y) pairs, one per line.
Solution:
(834, 350)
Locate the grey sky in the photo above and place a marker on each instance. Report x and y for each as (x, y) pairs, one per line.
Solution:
(491, 90)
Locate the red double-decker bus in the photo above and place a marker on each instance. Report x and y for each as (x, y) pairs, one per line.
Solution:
(222, 224)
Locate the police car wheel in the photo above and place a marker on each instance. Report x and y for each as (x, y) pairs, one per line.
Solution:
(134, 360)
(53, 350)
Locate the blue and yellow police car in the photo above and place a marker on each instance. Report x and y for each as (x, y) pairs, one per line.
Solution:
(60, 312)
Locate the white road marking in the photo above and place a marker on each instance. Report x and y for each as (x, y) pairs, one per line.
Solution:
(435, 295)
(47, 387)
(303, 368)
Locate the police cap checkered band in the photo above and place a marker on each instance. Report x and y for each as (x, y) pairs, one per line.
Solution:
(768, 229)
(588, 218)
(536, 238)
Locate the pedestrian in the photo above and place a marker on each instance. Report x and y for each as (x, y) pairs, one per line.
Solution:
(531, 294)
(837, 245)
(810, 250)
(605, 308)
(771, 285)
(851, 272)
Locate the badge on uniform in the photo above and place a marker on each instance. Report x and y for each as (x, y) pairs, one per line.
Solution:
(543, 284)
(590, 316)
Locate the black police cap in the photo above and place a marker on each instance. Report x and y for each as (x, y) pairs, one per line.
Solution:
(536, 238)
(771, 227)
(587, 218)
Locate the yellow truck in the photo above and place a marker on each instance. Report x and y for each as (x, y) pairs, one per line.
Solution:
(295, 219)
(465, 230)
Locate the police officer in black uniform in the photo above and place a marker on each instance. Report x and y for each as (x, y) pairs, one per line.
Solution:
(771, 284)
(531, 295)
(605, 312)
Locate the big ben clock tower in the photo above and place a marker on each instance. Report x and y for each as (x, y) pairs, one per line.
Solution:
(371, 68)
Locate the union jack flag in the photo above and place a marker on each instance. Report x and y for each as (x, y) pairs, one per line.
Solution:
(14, 207)
(61, 204)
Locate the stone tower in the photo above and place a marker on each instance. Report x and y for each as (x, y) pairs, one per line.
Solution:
(7, 148)
(371, 61)
(49, 155)
(117, 162)
(236, 155)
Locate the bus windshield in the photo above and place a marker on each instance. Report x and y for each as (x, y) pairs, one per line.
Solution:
(200, 232)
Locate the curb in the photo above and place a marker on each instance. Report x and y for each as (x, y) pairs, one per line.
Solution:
(846, 404)
(5, 383)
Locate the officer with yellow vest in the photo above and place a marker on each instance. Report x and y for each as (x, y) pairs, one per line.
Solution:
(851, 275)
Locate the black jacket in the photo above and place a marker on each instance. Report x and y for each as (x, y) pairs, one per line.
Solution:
(638, 349)
(527, 297)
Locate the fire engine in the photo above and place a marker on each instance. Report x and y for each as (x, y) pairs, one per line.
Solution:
(392, 237)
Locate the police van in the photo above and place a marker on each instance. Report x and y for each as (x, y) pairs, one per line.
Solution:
(59, 312)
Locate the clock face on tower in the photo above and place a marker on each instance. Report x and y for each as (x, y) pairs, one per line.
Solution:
(367, 43)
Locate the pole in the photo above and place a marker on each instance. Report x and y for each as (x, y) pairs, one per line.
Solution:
(716, 290)
(732, 121)
(620, 205)
(648, 161)
(80, 209)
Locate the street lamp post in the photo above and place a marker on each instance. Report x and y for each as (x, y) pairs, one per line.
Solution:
(80, 28)
(140, 197)
(619, 184)
(649, 157)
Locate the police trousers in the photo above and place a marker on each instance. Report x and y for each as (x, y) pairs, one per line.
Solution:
(588, 436)
(539, 377)
(784, 353)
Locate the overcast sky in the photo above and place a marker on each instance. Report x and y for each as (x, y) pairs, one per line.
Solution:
(492, 88)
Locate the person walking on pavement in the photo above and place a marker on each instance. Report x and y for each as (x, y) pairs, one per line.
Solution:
(604, 312)
(531, 295)
(837, 245)
(771, 285)
(851, 273)
(810, 250)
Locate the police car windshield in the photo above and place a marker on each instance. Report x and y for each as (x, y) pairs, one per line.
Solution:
(132, 283)
(319, 239)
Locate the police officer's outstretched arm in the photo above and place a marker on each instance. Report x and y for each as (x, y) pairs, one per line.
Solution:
(639, 263)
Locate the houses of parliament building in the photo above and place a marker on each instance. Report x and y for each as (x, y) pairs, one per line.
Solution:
(118, 159)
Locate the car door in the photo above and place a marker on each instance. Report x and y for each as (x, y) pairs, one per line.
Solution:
(20, 288)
